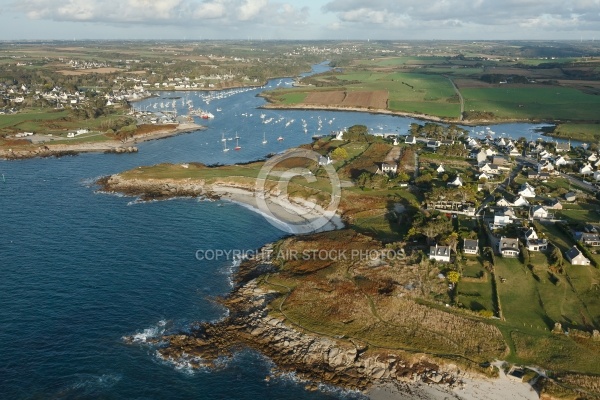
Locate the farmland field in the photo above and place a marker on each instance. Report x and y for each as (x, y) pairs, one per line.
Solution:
(532, 102)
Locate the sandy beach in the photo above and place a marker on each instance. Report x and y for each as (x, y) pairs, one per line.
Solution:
(473, 388)
(292, 215)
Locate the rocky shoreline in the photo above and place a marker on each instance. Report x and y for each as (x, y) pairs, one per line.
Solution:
(315, 358)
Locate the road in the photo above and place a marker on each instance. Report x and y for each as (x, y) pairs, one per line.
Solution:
(460, 97)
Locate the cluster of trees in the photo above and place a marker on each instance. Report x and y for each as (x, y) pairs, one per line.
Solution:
(358, 133)
(498, 78)
(437, 131)
(435, 227)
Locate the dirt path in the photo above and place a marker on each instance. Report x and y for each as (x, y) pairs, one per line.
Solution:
(460, 97)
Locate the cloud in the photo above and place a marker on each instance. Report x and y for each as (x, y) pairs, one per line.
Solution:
(173, 12)
(534, 14)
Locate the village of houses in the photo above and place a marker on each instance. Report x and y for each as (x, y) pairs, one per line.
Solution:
(532, 186)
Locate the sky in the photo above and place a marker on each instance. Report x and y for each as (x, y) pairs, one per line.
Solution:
(300, 19)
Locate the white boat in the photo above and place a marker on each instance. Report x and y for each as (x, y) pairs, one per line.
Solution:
(280, 139)
(264, 138)
(237, 144)
(225, 149)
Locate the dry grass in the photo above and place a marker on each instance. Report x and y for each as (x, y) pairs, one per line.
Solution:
(362, 99)
(325, 98)
(365, 298)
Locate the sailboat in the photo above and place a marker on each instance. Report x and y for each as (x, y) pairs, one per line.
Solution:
(264, 139)
(223, 137)
(225, 146)
(236, 136)
(237, 145)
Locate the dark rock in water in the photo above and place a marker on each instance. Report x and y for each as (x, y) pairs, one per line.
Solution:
(122, 150)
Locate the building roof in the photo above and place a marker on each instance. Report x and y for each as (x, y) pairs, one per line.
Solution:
(509, 243)
(573, 252)
(471, 244)
(442, 251)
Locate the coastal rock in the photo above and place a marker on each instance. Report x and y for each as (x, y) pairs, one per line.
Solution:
(316, 358)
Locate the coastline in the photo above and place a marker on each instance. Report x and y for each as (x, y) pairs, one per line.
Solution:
(288, 214)
(380, 374)
(109, 146)
(423, 117)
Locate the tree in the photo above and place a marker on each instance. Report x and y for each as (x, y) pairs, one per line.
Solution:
(452, 240)
(453, 277)
(557, 257)
(339, 154)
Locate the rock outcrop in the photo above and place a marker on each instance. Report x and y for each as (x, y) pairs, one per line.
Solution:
(314, 357)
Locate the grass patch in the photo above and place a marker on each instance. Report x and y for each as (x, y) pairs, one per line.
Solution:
(538, 103)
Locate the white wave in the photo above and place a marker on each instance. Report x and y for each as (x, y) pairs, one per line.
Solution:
(92, 383)
(149, 333)
(186, 364)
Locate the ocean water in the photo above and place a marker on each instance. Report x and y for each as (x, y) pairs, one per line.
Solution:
(79, 270)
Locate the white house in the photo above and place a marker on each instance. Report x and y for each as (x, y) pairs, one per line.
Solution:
(593, 158)
(544, 154)
(471, 246)
(586, 169)
(508, 247)
(481, 157)
(489, 169)
(490, 152)
(545, 166)
(434, 144)
(339, 135)
(533, 242)
(570, 197)
(410, 139)
(485, 176)
(325, 160)
(440, 169)
(539, 212)
(597, 175)
(501, 220)
(561, 161)
(520, 202)
(564, 146)
(457, 182)
(502, 202)
(439, 253)
(386, 168)
(527, 190)
(576, 257)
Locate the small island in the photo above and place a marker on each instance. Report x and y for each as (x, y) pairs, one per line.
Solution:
(447, 254)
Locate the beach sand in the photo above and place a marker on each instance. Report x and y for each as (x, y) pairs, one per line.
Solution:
(293, 215)
(474, 388)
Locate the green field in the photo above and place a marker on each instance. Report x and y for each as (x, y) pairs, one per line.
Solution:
(408, 92)
(537, 103)
(589, 133)
(30, 120)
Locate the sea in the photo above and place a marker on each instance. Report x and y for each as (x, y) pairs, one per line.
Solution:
(81, 269)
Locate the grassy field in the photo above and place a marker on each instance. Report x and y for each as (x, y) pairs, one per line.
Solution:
(533, 102)
(589, 133)
(31, 120)
(428, 94)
